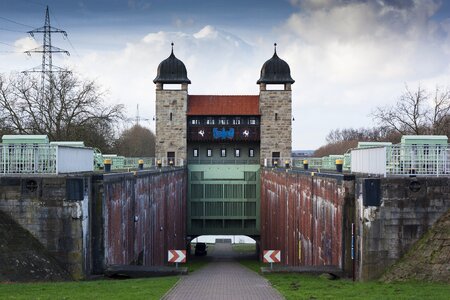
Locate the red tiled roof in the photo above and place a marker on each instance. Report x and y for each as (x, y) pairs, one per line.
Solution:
(222, 105)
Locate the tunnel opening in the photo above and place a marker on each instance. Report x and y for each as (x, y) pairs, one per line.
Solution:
(223, 247)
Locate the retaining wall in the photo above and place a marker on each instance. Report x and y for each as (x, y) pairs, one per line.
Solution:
(144, 215)
(307, 216)
(400, 212)
(54, 209)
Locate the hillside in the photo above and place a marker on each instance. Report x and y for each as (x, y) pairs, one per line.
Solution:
(23, 258)
(428, 259)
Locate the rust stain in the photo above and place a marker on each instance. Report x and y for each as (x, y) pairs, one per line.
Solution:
(144, 217)
(303, 217)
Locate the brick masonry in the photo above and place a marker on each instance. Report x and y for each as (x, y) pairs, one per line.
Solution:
(276, 132)
(171, 134)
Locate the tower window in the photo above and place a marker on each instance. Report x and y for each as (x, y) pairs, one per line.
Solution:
(223, 152)
(170, 116)
(276, 116)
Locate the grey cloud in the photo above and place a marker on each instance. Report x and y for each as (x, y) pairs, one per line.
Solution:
(329, 4)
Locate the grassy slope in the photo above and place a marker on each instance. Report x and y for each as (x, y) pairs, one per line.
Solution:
(297, 286)
(149, 288)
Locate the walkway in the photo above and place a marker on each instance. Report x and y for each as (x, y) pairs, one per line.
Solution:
(223, 278)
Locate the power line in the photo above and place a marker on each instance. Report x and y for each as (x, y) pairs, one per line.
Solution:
(35, 2)
(18, 23)
(47, 68)
(65, 36)
(12, 30)
(8, 44)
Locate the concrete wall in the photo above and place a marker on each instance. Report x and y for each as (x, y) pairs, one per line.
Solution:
(309, 217)
(306, 216)
(144, 215)
(406, 209)
(56, 217)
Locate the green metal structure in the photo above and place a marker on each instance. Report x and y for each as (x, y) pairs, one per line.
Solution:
(25, 139)
(223, 199)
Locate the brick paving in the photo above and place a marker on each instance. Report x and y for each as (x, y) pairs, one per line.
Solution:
(223, 278)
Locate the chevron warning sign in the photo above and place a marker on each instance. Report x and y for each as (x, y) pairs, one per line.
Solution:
(177, 256)
(272, 256)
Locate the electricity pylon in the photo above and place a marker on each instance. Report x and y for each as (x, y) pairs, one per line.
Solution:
(47, 67)
(137, 118)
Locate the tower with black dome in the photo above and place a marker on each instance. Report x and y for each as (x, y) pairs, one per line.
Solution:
(171, 105)
(275, 105)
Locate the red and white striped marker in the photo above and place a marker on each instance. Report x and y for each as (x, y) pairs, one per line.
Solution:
(272, 256)
(177, 256)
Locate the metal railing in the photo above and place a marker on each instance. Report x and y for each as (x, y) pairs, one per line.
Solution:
(27, 159)
(223, 161)
(401, 160)
(44, 159)
(314, 163)
(124, 163)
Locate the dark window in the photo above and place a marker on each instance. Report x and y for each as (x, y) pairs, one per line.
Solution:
(75, 190)
(276, 158)
(276, 116)
(170, 117)
(195, 152)
(223, 152)
(251, 152)
(237, 152)
(209, 152)
(171, 158)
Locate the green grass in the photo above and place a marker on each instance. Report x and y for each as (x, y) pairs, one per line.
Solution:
(244, 248)
(298, 286)
(148, 288)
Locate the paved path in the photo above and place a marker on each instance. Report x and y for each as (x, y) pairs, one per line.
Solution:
(223, 278)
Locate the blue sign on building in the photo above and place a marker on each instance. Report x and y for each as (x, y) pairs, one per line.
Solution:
(223, 134)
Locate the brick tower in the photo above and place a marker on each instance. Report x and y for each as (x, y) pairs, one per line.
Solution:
(171, 105)
(275, 106)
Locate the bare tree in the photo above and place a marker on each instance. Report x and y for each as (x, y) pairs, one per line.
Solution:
(69, 108)
(416, 112)
(439, 118)
(340, 141)
(137, 141)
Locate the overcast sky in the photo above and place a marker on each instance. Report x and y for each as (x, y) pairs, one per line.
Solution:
(346, 56)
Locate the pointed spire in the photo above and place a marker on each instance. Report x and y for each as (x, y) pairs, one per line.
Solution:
(275, 48)
(172, 47)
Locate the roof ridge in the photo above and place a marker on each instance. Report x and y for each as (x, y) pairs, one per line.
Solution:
(237, 95)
